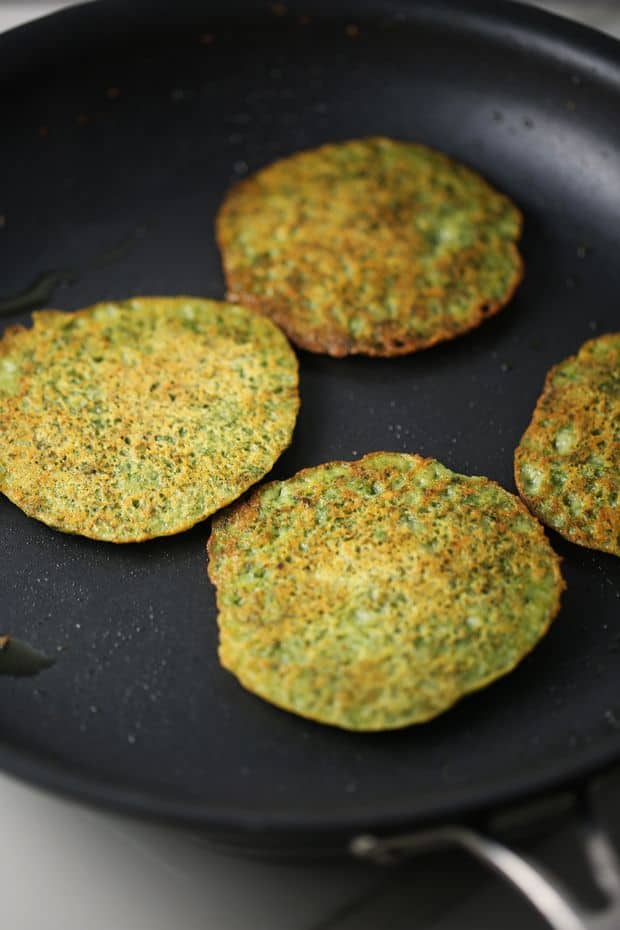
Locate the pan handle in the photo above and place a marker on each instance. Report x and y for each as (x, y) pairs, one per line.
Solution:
(544, 890)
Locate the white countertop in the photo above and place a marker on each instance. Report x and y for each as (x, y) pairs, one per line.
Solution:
(67, 867)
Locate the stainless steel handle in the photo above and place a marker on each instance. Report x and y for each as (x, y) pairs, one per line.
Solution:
(543, 889)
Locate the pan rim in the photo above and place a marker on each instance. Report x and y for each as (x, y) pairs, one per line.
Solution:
(513, 21)
(458, 805)
(577, 47)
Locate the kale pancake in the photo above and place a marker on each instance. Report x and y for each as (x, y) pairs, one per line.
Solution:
(137, 419)
(567, 465)
(370, 246)
(374, 594)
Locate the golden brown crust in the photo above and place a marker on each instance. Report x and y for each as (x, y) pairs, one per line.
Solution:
(131, 420)
(343, 279)
(375, 594)
(393, 344)
(567, 464)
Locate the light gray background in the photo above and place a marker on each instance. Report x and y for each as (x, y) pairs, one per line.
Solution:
(65, 867)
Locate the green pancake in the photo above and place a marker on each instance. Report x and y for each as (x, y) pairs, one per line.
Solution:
(139, 418)
(567, 465)
(374, 594)
(370, 246)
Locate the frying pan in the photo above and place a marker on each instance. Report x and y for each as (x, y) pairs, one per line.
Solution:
(122, 126)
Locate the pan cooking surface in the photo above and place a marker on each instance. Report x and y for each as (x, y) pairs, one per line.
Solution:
(122, 126)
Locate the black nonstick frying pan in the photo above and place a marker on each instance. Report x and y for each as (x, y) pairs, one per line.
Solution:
(121, 126)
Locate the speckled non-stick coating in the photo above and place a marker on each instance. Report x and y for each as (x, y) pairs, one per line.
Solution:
(122, 127)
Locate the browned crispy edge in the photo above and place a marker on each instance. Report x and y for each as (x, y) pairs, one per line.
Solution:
(244, 507)
(5, 342)
(577, 538)
(393, 344)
